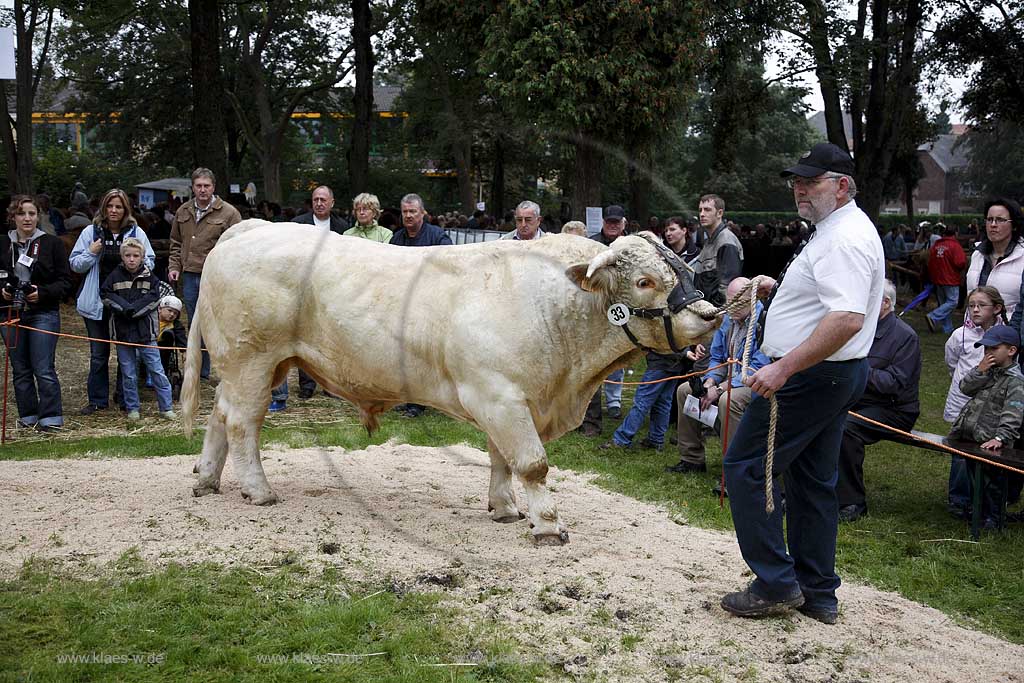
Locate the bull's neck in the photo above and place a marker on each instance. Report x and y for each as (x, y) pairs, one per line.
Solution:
(608, 345)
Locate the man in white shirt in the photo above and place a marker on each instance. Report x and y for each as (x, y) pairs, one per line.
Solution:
(321, 216)
(819, 328)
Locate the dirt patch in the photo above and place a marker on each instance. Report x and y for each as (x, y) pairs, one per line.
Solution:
(634, 596)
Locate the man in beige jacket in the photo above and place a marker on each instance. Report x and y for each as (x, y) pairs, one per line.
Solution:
(196, 227)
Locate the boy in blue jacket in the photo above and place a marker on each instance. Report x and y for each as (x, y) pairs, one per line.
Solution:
(132, 293)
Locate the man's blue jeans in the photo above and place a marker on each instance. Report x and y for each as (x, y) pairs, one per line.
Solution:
(812, 414)
(190, 293)
(655, 399)
(36, 387)
(613, 392)
(128, 357)
(949, 295)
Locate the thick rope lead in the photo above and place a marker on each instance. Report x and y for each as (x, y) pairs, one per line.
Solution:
(748, 297)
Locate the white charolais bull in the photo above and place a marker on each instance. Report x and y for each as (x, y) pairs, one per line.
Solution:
(512, 337)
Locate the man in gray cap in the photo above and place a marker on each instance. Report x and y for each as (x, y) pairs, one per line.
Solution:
(820, 324)
(614, 225)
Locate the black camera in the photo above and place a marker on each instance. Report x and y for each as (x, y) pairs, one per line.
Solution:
(18, 291)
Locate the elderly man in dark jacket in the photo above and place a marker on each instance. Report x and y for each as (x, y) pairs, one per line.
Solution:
(890, 398)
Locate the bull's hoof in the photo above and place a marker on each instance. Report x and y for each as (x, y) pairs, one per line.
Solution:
(266, 498)
(200, 491)
(561, 538)
(195, 468)
(509, 519)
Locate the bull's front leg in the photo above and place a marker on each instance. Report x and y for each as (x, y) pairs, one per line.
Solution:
(501, 499)
(500, 408)
(516, 436)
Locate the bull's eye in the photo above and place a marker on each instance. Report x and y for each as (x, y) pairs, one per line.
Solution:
(645, 283)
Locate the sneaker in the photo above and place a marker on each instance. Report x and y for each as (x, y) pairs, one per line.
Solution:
(610, 445)
(746, 604)
(133, 416)
(277, 406)
(168, 415)
(90, 409)
(615, 412)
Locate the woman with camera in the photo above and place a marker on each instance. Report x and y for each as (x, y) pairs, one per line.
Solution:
(96, 254)
(34, 277)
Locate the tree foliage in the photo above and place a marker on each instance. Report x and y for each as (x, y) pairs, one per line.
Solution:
(33, 23)
(131, 59)
(987, 37)
(606, 75)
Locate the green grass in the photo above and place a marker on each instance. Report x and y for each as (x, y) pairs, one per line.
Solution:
(212, 623)
(903, 545)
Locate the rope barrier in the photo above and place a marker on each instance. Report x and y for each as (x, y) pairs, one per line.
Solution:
(731, 361)
(14, 323)
(938, 444)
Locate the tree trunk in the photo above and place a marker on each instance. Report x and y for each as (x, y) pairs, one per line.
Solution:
(498, 177)
(271, 163)
(825, 70)
(640, 170)
(362, 99)
(891, 100)
(462, 153)
(208, 135)
(586, 186)
(25, 100)
(7, 138)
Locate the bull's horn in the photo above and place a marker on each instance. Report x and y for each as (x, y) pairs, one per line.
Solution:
(605, 258)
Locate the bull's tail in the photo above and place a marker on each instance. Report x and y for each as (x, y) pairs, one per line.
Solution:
(193, 366)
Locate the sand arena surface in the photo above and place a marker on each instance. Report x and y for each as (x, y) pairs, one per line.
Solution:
(634, 596)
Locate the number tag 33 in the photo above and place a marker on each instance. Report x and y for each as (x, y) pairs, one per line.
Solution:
(618, 314)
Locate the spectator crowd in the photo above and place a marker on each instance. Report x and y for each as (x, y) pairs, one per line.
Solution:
(101, 253)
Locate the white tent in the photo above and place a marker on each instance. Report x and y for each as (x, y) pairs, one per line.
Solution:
(158, 191)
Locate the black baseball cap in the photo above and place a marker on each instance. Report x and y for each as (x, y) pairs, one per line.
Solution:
(824, 157)
(614, 212)
(999, 334)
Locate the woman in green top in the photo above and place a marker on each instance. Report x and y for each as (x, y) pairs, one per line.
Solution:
(366, 208)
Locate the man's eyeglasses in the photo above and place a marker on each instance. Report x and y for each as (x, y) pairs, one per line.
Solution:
(997, 220)
(809, 182)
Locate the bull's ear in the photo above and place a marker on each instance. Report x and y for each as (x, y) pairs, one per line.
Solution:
(599, 282)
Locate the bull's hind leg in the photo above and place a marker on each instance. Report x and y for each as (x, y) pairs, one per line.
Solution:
(215, 451)
(501, 499)
(245, 406)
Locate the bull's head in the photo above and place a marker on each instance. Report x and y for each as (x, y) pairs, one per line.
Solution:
(634, 278)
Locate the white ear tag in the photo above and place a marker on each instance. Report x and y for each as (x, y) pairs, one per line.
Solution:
(618, 314)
